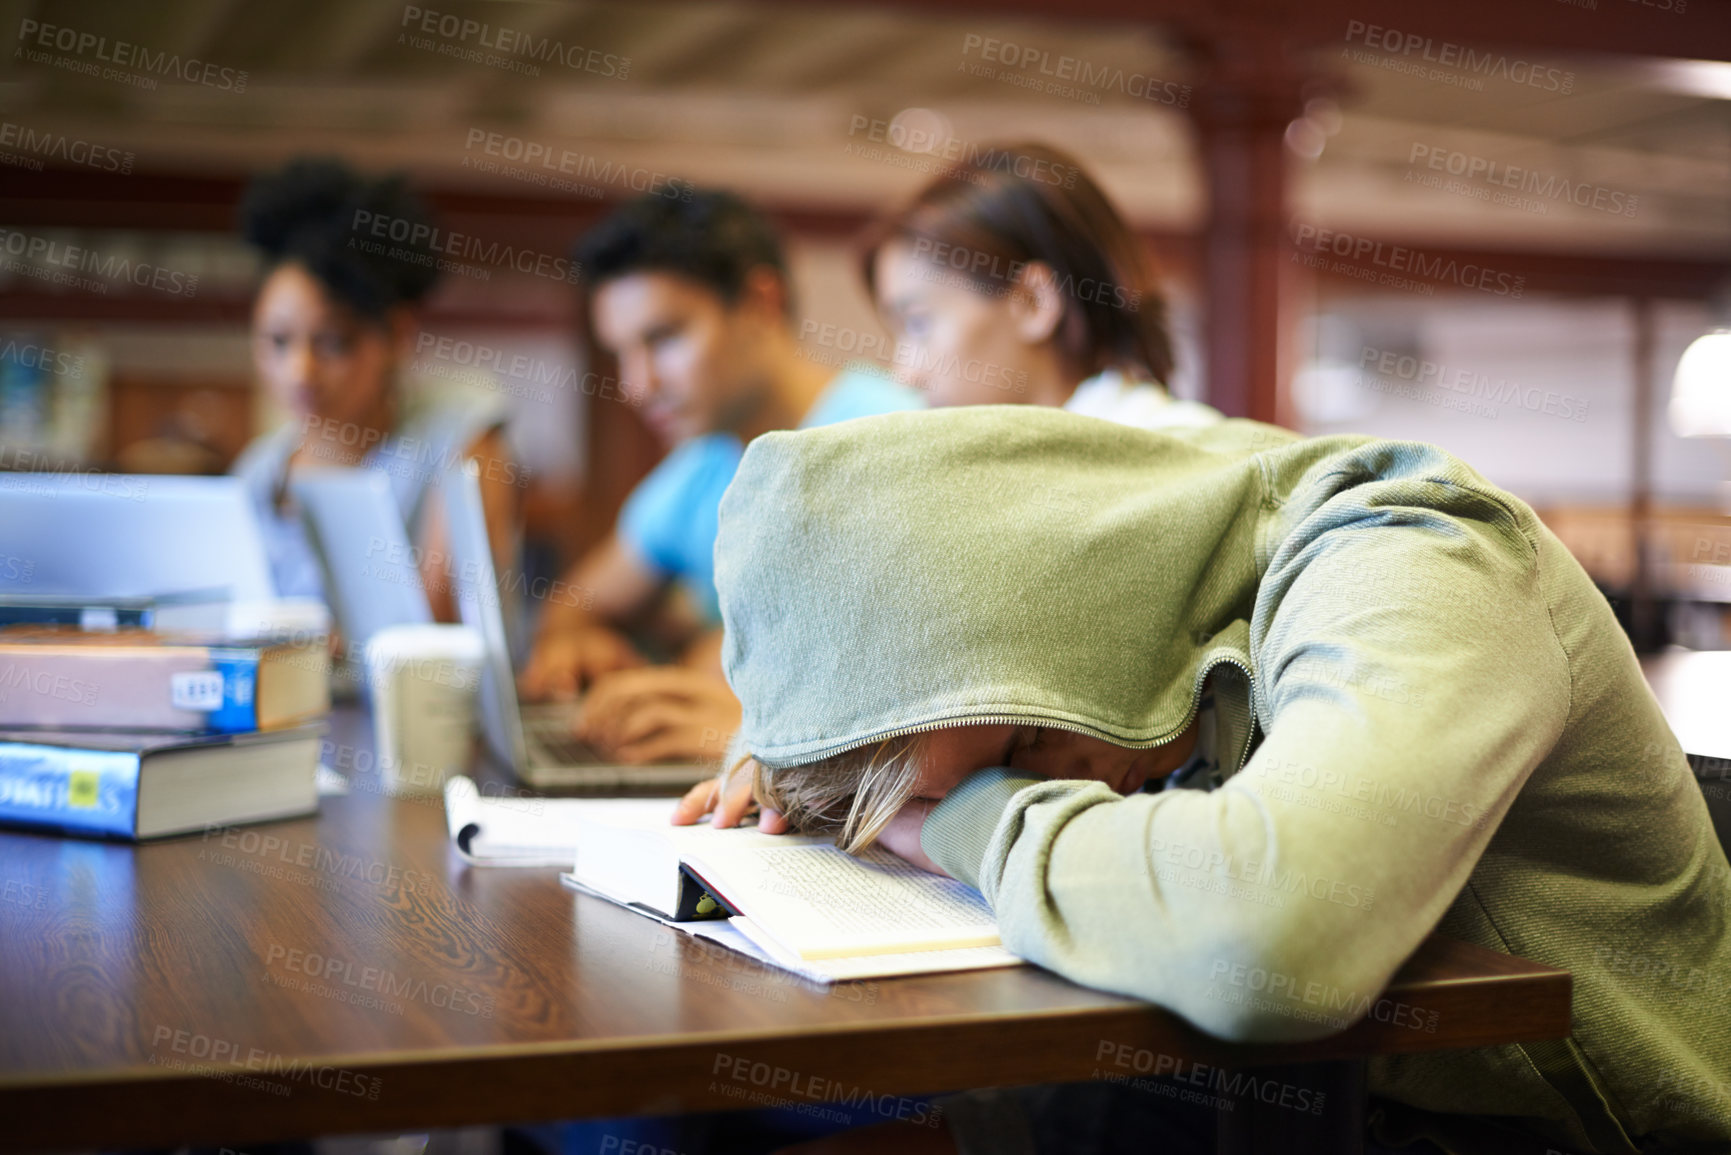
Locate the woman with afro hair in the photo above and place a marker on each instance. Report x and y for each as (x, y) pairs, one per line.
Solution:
(335, 319)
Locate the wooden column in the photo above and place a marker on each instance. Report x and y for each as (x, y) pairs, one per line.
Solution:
(1645, 624)
(1247, 95)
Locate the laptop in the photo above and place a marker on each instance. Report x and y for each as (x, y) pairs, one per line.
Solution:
(118, 540)
(118, 535)
(534, 740)
(372, 577)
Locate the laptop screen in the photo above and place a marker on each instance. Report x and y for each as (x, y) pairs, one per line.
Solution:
(355, 526)
(115, 535)
(478, 603)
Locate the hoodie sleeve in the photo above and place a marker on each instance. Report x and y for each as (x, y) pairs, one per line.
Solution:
(1408, 681)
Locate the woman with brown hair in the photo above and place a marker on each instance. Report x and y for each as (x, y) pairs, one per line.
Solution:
(1012, 279)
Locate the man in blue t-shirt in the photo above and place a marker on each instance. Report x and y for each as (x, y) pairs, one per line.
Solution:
(692, 296)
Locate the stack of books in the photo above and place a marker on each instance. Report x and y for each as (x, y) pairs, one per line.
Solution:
(134, 733)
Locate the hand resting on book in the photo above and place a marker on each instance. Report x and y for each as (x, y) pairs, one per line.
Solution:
(729, 803)
(908, 776)
(727, 799)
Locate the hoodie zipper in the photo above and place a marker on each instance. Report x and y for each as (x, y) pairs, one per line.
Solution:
(1249, 707)
(1073, 727)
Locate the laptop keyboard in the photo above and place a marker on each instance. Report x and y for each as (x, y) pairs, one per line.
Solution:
(552, 742)
(557, 759)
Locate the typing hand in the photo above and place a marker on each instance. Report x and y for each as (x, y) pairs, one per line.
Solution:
(657, 714)
(563, 663)
(902, 834)
(728, 801)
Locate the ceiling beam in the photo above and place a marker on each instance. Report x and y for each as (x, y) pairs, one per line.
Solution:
(1659, 276)
(206, 204)
(1701, 31)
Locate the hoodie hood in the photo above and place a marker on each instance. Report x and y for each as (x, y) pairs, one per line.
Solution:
(995, 563)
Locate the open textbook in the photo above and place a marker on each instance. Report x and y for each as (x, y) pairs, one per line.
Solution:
(791, 901)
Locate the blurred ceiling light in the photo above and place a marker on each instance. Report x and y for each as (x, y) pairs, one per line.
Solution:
(1306, 138)
(1324, 113)
(1701, 390)
(920, 130)
(1331, 394)
(1710, 78)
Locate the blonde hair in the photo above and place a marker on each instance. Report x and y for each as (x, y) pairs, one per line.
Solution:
(852, 795)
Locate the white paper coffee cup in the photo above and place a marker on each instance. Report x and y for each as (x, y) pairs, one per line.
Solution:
(424, 681)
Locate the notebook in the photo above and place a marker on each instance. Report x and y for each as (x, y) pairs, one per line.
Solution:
(491, 829)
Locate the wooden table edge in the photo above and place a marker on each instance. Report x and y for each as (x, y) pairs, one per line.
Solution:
(503, 1083)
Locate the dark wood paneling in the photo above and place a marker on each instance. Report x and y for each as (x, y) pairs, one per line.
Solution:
(150, 418)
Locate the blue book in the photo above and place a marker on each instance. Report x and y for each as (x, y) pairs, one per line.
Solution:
(136, 785)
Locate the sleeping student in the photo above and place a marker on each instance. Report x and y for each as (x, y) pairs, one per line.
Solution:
(1011, 279)
(332, 327)
(1192, 705)
(691, 292)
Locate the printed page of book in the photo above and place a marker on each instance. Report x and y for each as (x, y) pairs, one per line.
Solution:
(818, 902)
(631, 853)
(742, 935)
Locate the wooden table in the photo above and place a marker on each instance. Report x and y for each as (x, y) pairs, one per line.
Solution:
(216, 989)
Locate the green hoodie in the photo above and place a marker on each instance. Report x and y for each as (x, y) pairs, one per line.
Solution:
(1429, 716)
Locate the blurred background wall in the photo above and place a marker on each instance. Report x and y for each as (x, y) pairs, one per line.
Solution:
(1491, 224)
